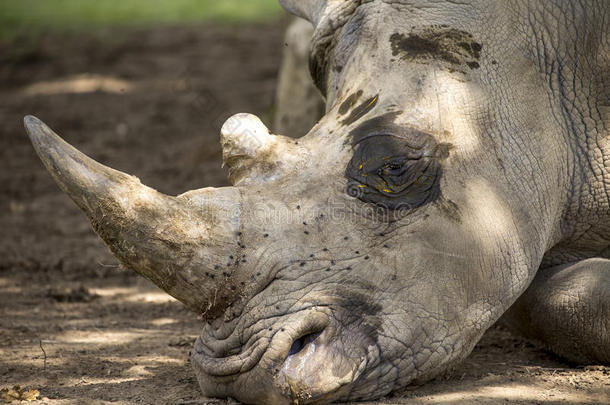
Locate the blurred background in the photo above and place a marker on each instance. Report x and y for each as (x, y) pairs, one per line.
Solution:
(35, 16)
(143, 86)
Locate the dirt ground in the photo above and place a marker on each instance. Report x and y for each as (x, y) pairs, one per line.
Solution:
(80, 329)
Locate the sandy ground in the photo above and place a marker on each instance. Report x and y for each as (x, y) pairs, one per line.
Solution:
(80, 329)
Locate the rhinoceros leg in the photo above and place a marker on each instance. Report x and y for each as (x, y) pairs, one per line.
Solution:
(568, 309)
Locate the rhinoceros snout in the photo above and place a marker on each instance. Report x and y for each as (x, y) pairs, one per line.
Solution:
(305, 358)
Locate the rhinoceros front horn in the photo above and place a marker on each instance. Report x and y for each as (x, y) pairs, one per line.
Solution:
(176, 242)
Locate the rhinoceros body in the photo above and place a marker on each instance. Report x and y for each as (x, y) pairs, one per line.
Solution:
(462, 162)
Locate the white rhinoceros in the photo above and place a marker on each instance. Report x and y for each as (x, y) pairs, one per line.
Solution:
(464, 156)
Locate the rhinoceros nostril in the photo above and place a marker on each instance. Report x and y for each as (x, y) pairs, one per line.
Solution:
(297, 346)
(321, 364)
(301, 342)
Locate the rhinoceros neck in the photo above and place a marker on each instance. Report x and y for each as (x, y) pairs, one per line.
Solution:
(572, 51)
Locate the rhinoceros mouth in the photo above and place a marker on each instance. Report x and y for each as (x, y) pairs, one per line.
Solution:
(277, 345)
(226, 366)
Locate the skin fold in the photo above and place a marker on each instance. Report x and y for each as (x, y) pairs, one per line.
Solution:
(462, 157)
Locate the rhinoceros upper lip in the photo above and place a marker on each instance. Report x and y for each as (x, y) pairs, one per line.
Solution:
(225, 366)
(301, 323)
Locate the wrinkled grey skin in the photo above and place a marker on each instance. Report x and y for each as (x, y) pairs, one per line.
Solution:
(314, 282)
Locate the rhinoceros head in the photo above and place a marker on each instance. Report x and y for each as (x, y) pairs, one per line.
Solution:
(374, 251)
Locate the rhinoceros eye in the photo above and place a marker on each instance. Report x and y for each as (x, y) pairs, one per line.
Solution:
(395, 171)
(391, 168)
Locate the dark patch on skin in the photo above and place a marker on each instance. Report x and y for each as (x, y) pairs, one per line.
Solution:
(449, 209)
(394, 167)
(317, 69)
(357, 303)
(360, 310)
(349, 102)
(360, 111)
(455, 49)
(477, 48)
